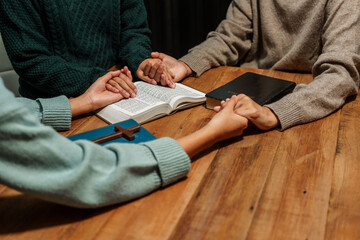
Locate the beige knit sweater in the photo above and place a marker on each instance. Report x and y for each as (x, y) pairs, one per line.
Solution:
(319, 36)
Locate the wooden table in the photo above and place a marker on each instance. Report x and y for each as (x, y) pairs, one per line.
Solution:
(302, 183)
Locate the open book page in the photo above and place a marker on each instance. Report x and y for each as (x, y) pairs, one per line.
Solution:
(133, 107)
(150, 102)
(142, 102)
(172, 96)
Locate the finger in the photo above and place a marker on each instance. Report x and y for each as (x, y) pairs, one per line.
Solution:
(127, 85)
(168, 74)
(145, 78)
(238, 104)
(147, 69)
(111, 88)
(158, 55)
(164, 80)
(127, 89)
(115, 73)
(125, 70)
(170, 83)
(114, 84)
(131, 83)
(230, 104)
(117, 82)
(129, 75)
(154, 70)
(217, 109)
(155, 54)
(109, 76)
(159, 73)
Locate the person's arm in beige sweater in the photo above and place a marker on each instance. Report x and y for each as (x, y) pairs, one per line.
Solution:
(336, 71)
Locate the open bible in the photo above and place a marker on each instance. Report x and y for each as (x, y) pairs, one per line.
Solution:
(151, 102)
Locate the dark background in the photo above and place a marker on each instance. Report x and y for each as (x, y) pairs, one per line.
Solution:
(178, 25)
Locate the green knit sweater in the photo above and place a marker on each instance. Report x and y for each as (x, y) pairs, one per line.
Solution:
(60, 47)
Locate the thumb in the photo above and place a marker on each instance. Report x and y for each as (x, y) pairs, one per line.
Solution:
(155, 54)
(230, 105)
(158, 55)
(114, 74)
(109, 75)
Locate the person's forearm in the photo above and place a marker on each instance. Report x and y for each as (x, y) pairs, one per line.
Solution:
(99, 175)
(188, 70)
(54, 112)
(80, 105)
(198, 141)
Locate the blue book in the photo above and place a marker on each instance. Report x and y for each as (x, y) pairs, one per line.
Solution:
(141, 136)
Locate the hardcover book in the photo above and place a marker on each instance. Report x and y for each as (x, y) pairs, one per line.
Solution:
(262, 89)
(151, 102)
(142, 135)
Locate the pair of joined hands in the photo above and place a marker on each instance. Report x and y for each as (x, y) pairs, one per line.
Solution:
(160, 69)
(165, 70)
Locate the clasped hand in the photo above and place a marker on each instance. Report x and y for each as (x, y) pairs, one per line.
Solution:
(166, 70)
(262, 117)
(161, 69)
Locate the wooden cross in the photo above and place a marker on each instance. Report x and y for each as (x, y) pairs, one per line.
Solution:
(119, 132)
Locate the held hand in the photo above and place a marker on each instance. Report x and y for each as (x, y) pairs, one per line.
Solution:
(122, 84)
(261, 117)
(97, 96)
(154, 71)
(178, 68)
(227, 123)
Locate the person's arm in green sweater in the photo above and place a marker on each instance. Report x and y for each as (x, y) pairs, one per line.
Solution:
(34, 59)
(36, 160)
(135, 44)
(57, 112)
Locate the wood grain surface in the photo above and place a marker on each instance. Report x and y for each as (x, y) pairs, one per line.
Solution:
(302, 183)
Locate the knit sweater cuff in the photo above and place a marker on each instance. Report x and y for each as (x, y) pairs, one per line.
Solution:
(289, 113)
(195, 63)
(174, 163)
(56, 112)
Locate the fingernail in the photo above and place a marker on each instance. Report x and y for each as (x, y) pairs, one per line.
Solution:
(127, 95)
(133, 95)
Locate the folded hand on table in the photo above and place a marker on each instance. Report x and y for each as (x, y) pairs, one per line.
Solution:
(97, 95)
(262, 117)
(224, 125)
(163, 69)
(122, 84)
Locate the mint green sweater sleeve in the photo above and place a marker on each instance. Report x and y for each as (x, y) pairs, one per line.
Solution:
(37, 160)
(54, 112)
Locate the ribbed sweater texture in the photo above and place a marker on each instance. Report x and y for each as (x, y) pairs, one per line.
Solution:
(61, 47)
(320, 36)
